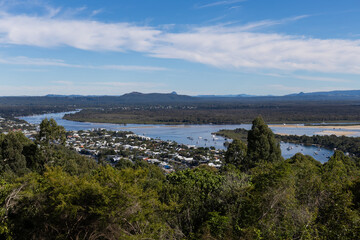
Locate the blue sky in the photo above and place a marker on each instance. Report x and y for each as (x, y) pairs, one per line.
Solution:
(112, 47)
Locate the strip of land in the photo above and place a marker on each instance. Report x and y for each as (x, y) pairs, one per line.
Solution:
(337, 133)
(337, 127)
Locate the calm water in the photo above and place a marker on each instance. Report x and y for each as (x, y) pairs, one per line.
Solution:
(198, 135)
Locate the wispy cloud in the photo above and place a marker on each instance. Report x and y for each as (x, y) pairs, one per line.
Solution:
(63, 82)
(269, 23)
(130, 84)
(128, 68)
(96, 12)
(78, 88)
(309, 78)
(23, 61)
(296, 89)
(220, 3)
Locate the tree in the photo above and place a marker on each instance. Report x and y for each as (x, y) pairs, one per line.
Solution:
(262, 145)
(194, 193)
(11, 153)
(51, 133)
(236, 154)
(106, 204)
(337, 217)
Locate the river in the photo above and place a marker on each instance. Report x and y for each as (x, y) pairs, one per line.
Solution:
(198, 135)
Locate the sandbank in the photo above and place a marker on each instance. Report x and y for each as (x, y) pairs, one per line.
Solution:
(352, 127)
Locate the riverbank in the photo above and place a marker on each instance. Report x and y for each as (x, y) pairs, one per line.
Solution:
(338, 130)
(337, 133)
(334, 127)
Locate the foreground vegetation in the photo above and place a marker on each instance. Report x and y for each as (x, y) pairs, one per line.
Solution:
(50, 192)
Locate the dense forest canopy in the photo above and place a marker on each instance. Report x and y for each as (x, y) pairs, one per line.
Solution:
(50, 192)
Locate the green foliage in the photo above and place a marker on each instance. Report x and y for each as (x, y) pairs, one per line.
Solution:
(338, 219)
(51, 133)
(236, 154)
(262, 145)
(14, 151)
(236, 134)
(206, 111)
(194, 194)
(70, 161)
(217, 225)
(51, 192)
(108, 204)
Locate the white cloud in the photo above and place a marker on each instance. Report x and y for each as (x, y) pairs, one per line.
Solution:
(220, 46)
(81, 34)
(230, 48)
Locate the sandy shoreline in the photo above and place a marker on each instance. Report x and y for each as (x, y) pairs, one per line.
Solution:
(352, 127)
(328, 132)
(337, 133)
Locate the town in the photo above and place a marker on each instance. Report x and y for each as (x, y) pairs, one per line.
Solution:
(8, 124)
(118, 146)
(122, 147)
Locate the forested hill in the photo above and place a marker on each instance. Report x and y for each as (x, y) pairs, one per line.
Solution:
(169, 98)
(135, 97)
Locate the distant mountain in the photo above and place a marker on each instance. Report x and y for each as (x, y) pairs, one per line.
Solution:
(136, 97)
(55, 95)
(343, 93)
(226, 96)
(171, 98)
(325, 96)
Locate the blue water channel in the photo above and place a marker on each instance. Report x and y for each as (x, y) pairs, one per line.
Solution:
(197, 135)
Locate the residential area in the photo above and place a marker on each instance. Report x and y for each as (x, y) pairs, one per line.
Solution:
(115, 146)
